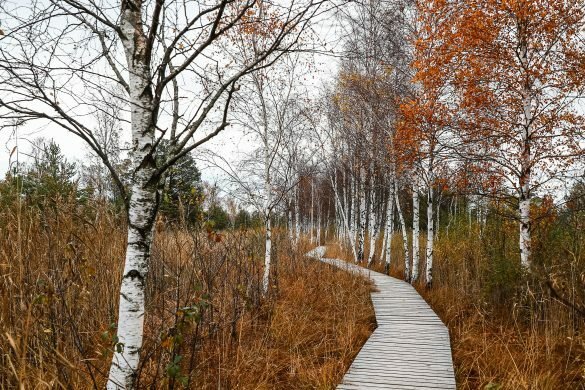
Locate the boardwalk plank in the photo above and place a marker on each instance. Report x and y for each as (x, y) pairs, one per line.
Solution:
(401, 377)
(410, 348)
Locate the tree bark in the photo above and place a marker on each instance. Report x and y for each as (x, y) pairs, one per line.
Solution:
(525, 159)
(389, 228)
(415, 233)
(346, 222)
(297, 217)
(267, 195)
(290, 223)
(142, 213)
(362, 217)
(318, 225)
(404, 234)
(267, 256)
(345, 207)
(372, 219)
(430, 237)
(142, 209)
(312, 228)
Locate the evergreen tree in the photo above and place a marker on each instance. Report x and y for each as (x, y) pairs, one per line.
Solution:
(50, 174)
(182, 192)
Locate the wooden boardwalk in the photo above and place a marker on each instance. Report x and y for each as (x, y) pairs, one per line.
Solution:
(410, 348)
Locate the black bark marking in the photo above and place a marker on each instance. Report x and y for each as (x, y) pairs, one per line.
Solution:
(134, 274)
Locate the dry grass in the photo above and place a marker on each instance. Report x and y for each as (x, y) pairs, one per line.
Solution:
(207, 325)
(308, 336)
(507, 330)
(495, 351)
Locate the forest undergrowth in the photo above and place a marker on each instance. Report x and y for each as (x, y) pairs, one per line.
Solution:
(207, 324)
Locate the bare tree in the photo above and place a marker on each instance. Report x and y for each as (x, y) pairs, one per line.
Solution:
(169, 57)
(270, 108)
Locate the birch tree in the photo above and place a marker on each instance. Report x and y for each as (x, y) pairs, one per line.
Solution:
(521, 70)
(372, 226)
(389, 230)
(426, 121)
(415, 232)
(270, 110)
(332, 150)
(407, 270)
(55, 58)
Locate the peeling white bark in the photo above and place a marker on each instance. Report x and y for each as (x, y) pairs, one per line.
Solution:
(142, 208)
(430, 237)
(297, 217)
(362, 217)
(267, 194)
(389, 228)
(267, 257)
(312, 229)
(131, 309)
(415, 233)
(372, 219)
(525, 166)
(525, 239)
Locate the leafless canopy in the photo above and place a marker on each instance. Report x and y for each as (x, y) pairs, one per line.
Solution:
(60, 58)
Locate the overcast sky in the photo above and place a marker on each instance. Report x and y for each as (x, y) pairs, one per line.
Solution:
(230, 142)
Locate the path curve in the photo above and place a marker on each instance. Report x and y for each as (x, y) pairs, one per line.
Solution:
(410, 348)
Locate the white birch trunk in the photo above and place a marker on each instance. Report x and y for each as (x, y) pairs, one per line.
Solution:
(452, 213)
(362, 217)
(267, 256)
(389, 230)
(525, 239)
(131, 310)
(319, 226)
(339, 225)
(290, 224)
(385, 236)
(327, 221)
(430, 237)
(297, 217)
(312, 228)
(372, 219)
(525, 166)
(347, 208)
(346, 222)
(415, 233)
(268, 198)
(142, 208)
(404, 234)
(353, 216)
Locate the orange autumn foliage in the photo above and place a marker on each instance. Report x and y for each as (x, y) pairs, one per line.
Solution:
(469, 79)
(485, 42)
(426, 116)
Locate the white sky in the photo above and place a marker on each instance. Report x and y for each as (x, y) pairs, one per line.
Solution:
(228, 143)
